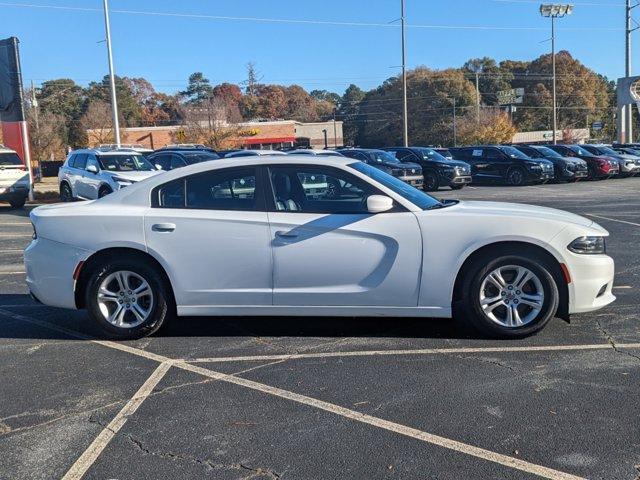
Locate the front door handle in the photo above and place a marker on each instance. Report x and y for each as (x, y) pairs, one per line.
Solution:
(283, 234)
(163, 227)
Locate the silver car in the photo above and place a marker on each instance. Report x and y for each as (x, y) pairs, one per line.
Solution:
(93, 172)
(14, 178)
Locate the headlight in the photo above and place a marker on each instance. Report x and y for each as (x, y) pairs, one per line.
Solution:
(588, 245)
(123, 182)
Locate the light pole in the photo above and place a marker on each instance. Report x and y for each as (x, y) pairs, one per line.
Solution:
(405, 126)
(112, 78)
(554, 10)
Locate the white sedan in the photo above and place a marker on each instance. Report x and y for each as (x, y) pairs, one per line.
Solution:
(300, 235)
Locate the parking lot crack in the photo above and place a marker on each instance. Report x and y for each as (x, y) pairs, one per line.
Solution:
(205, 463)
(486, 360)
(612, 342)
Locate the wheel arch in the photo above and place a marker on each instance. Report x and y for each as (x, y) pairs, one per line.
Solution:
(98, 258)
(502, 246)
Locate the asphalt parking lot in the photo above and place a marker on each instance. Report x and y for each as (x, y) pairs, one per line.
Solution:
(291, 398)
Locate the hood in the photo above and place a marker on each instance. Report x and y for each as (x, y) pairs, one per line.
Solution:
(10, 175)
(134, 176)
(404, 166)
(522, 211)
(451, 163)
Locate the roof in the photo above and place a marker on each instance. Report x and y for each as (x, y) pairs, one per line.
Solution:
(98, 151)
(4, 149)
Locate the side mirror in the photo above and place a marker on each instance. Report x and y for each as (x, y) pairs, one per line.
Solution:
(159, 167)
(379, 203)
(92, 169)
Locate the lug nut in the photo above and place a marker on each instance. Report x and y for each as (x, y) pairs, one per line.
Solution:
(517, 292)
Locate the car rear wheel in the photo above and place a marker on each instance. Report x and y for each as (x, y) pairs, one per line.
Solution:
(128, 298)
(515, 177)
(431, 182)
(65, 193)
(509, 296)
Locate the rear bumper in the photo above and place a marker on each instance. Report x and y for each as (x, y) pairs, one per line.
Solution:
(50, 266)
(592, 281)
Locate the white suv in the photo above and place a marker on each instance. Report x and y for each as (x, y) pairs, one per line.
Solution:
(95, 172)
(14, 178)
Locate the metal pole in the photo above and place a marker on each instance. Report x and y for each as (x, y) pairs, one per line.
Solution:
(455, 128)
(335, 131)
(405, 120)
(628, 109)
(553, 57)
(112, 78)
(477, 98)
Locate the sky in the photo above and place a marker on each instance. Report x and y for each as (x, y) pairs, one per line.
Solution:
(317, 44)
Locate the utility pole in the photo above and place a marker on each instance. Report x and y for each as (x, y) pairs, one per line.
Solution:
(553, 57)
(335, 131)
(455, 127)
(477, 98)
(112, 78)
(627, 110)
(405, 119)
(36, 117)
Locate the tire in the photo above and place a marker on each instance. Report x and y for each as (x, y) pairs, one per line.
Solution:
(516, 177)
(125, 309)
(18, 203)
(431, 182)
(456, 187)
(493, 319)
(104, 191)
(65, 193)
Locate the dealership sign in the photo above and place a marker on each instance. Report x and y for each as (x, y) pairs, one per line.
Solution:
(510, 97)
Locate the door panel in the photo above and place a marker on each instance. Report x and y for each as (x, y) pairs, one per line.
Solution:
(330, 251)
(215, 242)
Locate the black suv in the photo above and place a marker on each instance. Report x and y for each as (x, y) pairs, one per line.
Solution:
(491, 163)
(566, 168)
(410, 173)
(436, 169)
(168, 158)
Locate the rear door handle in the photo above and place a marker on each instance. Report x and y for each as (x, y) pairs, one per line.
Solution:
(283, 234)
(163, 227)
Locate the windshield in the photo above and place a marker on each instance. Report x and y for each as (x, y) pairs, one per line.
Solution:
(607, 150)
(547, 152)
(531, 152)
(192, 158)
(514, 152)
(132, 162)
(580, 151)
(382, 156)
(415, 196)
(10, 158)
(430, 154)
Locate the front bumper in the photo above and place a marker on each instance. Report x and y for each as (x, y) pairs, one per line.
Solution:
(629, 169)
(8, 194)
(460, 180)
(413, 180)
(591, 282)
(534, 176)
(50, 266)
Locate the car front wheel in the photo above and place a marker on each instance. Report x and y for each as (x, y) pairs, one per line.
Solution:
(515, 177)
(509, 296)
(65, 193)
(128, 298)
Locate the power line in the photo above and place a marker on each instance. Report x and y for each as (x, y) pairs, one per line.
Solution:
(299, 21)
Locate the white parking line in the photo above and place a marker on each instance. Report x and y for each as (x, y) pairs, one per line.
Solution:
(613, 219)
(423, 351)
(15, 235)
(90, 455)
(17, 272)
(426, 437)
(103, 439)
(13, 250)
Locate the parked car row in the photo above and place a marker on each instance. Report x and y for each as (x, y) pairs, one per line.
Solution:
(94, 173)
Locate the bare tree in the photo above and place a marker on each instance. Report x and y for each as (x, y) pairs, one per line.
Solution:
(47, 133)
(213, 123)
(98, 123)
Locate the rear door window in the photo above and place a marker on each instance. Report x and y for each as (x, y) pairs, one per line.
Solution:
(80, 161)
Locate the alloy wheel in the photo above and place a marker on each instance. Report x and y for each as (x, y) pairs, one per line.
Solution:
(511, 296)
(125, 299)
